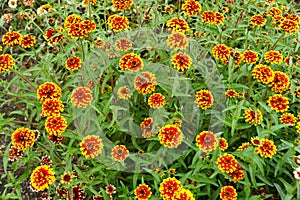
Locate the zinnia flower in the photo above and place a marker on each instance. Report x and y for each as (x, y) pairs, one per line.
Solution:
(168, 187)
(124, 93)
(85, 3)
(123, 44)
(204, 99)
(223, 144)
(288, 118)
(237, 175)
(156, 100)
(52, 107)
(208, 17)
(274, 11)
(87, 25)
(28, 41)
(119, 153)
(55, 125)
(227, 163)
(263, 73)
(42, 177)
(81, 97)
(48, 90)
(255, 141)
(73, 63)
(183, 194)
(177, 41)
(206, 141)
(12, 39)
(7, 62)
(66, 178)
(121, 5)
(252, 116)
(145, 83)
(244, 146)
(71, 19)
(14, 154)
(118, 23)
(181, 61)
(228, 193)
(278, 103)
(258, 20)
(274, 57)
(191, 7)
(250, 57)
(266, 148)
(59, 36)
(131, 61)
(219, 19)
(91, 146)
(231, 93)
(280, 83)
(170, 136)
(22, 138)
(147, 127)
(289, 26)
(142, 192)
(222, 52)
(178, 25)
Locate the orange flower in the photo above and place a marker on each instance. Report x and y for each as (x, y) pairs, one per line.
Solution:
(121, 5)
(178, 25)
(263, 73)
(59, 36)
(119, 153)
(289, 26)
(266, 148)
(41, 177)
(156, 100)
(22, 138)
(280, 83)
(142, 192)
(81, 97)
(11, 39)
(191, 7)
(274, 11)
(206, 141)
(7, 62)
(52, 107)
(223, 144)
(228, 193)
(118, 23)
(288, 118)
(255, 141)
(48, 90)
(145, 83)
(87, 25)
(208, 17)
(244, 146)
(76, 31)
(204, 99)
(85, 3)
(73, 63)
(55, 125)
(131, 61)
(91, 146)
(227, 163)
(147, 127)
(124, 93)
(181, 61)
(123, 44)
(219, 19)
(237, 175)
(222, 52)
(231, 93)
(177, 41)
(183, 194)
(250, 57)
(168, 187)
(258, 20)
(28, 41)
(252, 116)
(273, 57)
(71, 19)
(170, 136)
(278, 103)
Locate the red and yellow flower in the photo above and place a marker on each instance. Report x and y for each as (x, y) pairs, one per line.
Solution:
(252, 116)
(118, 23)
(170, 136)
(168, 187)
(206, 141)
(258, 20)
(145, 83)
(237, 175)
(156, 100)
(191, 7)
(27, 41)
(244, 146)
(121, 5)
(71, 19)
(255, 141)
(66, 178)
(142, 192)
(250, 57)
(124, 93)
(14, 154)
(263, 74)
(41, 177)
(54, 36)
(280, 83)
(81, 97)
(288, 118)
(228, 193)
(177, 41)
(52, 107)
(204, 99)
(178, 25)
(55, 125)
(222, 52)
(278, 103)
(7, 62)
(11, 39)
(23, 138)
(48, 90)
(91, 146)
(131, 61)
(266, 148)
(227, 163)
(231, 93)
(120, 153)
(219, 19)
(289, 26)
(183, 194)
(274, 57)
(85, 3)
(223, 145)
(208, 17)
(274, 11)
(147, 127)
(123, 44)
(73, 63)
(181, 61)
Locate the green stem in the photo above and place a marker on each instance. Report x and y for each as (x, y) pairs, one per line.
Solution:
(24, 78)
